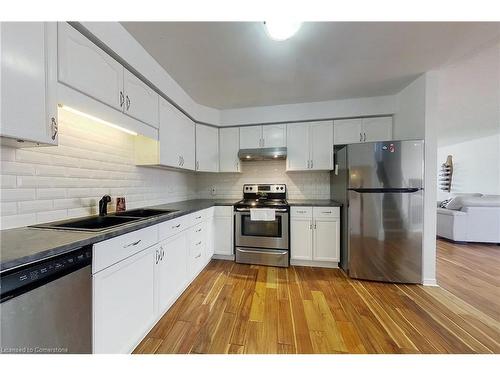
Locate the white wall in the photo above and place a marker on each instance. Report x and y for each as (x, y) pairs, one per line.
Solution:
(300, 185)
(378, 105)
(410, 116)
(52, 183)
(469, 121)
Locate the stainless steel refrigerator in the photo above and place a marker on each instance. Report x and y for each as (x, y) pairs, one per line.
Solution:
(381, 187)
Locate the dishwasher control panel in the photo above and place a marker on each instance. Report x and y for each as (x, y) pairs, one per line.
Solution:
(34, 275)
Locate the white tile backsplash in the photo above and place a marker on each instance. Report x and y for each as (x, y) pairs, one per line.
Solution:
(300, 185)
(52, 183)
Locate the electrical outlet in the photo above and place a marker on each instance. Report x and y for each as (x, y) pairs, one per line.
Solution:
(213, 190)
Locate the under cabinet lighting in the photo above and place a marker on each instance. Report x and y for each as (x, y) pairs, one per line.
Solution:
(90, 117)
(281, 30)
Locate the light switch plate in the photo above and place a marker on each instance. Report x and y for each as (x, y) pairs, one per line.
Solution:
(213, 190)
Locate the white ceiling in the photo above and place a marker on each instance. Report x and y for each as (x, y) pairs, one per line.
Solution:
(234, 64)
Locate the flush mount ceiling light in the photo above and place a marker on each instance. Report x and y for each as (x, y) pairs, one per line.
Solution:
(281, 30)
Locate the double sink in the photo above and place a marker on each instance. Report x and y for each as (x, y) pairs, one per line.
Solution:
(100, 223)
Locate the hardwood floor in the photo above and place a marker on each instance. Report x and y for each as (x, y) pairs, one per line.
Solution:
(235, 308)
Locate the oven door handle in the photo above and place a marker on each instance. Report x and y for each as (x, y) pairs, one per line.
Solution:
(248, 210)
(284, 252)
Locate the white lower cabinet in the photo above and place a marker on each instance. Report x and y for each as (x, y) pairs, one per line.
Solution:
(223, 228)
(139, 275)
(315, 235)
(124, 303)
(172, 270)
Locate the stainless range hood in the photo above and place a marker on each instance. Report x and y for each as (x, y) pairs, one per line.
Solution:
(271, 153)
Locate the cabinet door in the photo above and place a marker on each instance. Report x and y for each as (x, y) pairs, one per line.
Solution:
(326, 241)
(124, 303)
(172, 270)
(141, 102)
(27, 69)
(377, 129)
(321, 145)
(250, 137)
(347, 131)
(210, 239)
(87, 68)
(223, 235)
(187, 142)
(274, 135)
(170, 125)
(298, 156)
(229, 145)
(301, 238)
(207, 148)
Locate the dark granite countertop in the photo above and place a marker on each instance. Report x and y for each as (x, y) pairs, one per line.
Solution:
(21, 246)
(314, 202)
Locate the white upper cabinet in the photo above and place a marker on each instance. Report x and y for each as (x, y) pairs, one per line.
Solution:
(377, 129)
(88, 69)
(274, 135)
(371, 129)
(140, 100)
(265, 136)
(250, 137)
(177, 138)
(28, 71)
(310, 146)
(207, 148)
(229, 144)
(321, 145)
(297, 147)
(347, 131)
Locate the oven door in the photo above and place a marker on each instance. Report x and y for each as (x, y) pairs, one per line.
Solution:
(263, 234)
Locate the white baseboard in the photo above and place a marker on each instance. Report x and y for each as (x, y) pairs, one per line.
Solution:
(312, 263)
(430, 282)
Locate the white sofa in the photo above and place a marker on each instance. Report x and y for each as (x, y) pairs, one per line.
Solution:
(470, 218)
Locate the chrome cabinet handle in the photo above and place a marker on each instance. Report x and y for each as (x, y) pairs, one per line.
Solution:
(156, 257)
(179, 160)
(263, 142)
(198, 217)
(326, 212)
(312, 163)
(197, 165)
(176, 226)
(199, 230)
(162, 253)
(182, 160)
(196, 257)
(364, 138)
(132, 244)
(301, 212)
(360, 137)
(198, 243)
(55, 129)
(128, 103)
(122, 99)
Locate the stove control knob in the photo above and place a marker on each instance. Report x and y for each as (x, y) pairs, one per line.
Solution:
(251, 188)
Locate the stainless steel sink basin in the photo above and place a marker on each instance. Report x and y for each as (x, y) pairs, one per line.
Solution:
(143, 212)
(89, 224)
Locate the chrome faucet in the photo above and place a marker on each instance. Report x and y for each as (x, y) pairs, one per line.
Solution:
(103, 205)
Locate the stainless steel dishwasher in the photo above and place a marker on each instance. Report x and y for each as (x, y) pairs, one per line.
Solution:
(46, 307)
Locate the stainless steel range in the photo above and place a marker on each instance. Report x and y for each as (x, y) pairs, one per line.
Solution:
(261, 226)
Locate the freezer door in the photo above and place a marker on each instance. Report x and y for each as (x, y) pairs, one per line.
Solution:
(394, 164)
(385, 236)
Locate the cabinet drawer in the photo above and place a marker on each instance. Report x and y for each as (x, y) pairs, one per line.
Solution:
(301, 211)
(172, 227)
(197, 217)
(112, 251)
(326, 212)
